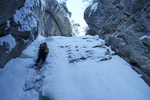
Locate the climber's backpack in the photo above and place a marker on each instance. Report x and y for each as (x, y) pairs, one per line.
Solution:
(43, 46)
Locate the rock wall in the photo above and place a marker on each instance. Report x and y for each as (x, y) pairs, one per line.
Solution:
(125, 25)
(22, 20)
(53, 20)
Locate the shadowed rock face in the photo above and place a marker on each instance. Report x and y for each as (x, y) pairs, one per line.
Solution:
(124, 24)
(8, 8)
(22, 21)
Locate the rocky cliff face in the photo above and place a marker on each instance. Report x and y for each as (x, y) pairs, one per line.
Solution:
(125, 25)
(22, 20)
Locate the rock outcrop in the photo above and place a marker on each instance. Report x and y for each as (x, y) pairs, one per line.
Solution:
(22, 20)
(125, 25)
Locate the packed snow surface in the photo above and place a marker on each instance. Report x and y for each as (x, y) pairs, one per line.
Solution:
(77, 68)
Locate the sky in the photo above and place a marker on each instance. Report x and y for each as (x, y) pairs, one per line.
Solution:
(77, 8)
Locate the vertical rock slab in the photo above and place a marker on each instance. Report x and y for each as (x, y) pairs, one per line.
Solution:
(124, 24)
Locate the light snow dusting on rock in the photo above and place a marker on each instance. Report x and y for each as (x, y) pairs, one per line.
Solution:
(26, 17)
(93, 7)
(8, 23)
(43, 5)
(9, 40)
(145, 36)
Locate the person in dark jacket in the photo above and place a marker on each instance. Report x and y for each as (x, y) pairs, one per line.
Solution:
(42, 53)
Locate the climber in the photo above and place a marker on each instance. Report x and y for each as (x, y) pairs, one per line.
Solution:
(42, 53)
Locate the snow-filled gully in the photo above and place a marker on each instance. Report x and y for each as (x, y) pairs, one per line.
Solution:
(77, 68)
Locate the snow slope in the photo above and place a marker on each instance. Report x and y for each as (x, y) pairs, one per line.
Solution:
(77, 68)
